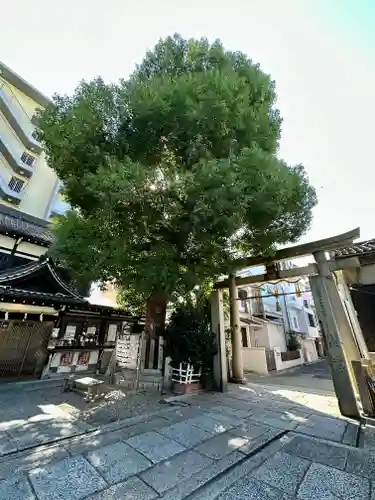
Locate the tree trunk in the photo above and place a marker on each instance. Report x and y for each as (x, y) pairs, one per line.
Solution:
(155, 323)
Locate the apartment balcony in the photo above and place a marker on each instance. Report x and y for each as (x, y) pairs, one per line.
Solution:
(9, 195)
(18, 119)
(13, 155)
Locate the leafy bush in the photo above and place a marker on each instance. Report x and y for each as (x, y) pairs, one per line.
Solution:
(293, 343)
(189, 339)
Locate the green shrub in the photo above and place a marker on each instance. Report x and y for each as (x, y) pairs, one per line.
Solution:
(189, 339)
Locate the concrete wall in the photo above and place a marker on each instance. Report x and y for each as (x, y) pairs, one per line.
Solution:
(39, 190)
(254, 360)
(309, 351)
(276, 336)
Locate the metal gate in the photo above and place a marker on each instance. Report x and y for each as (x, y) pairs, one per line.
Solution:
(23, 348)
(270, 358)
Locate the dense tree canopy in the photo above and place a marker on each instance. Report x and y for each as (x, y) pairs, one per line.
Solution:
(173, 171)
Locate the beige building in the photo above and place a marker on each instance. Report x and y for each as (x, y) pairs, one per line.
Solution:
(27, 183)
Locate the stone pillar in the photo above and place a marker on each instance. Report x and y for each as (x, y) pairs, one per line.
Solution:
(220, 376)
(237, 363)
(332, 319)
(359, 343)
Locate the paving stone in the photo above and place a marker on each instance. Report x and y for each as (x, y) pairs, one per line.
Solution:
(72, 479)
(197, 480)
(219, 446)
(154, 424)
(37, 434)
(210, 424)
(155, 447)
(212, 489)
(92, 441)
(167, 474)
(16, 486)
(180, 413)
(250, 430)
(326, 483)
(361, 463)
(254, 444)
(351, 434)
(229, 402)
(226, 419)
(283, 471)
(7, 445)
(281, 421)
(251, 489)
(186, 434)
(323, 427)
(27, 460)
(117, 462)
(132, 489)
(368, 437)
(231, 412)
(320, 432)
(318, 451)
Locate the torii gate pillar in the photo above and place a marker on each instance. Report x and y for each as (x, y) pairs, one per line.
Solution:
(337, 332)
(220, 375)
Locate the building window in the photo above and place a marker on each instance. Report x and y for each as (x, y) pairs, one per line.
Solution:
(244, 337)
(35, 135)
(28, 159)
(16, 184)
(295, 323)
(305, 303)
(244, 305)
(311, 320)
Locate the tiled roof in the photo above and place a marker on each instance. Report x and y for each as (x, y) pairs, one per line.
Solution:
(360, 248)
(13, 274)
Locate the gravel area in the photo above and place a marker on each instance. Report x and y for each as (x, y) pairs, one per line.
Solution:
(37, 404)
(120, 405)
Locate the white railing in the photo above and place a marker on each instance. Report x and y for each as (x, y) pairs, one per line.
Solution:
(185, 374)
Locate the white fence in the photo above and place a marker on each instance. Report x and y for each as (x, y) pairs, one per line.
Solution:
(185, 374)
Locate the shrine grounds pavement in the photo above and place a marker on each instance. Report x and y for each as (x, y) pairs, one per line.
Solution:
(256, 442)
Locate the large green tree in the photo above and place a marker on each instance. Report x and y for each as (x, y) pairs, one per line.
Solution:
(172, 172)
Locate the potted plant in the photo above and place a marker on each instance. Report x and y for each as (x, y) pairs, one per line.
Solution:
(189, 342)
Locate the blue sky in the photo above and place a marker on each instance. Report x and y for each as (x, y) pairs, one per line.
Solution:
(320, 52)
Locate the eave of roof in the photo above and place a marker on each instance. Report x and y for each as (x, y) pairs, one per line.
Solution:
(13, 78)
(16, 223)
(10, 294)
(361, 248)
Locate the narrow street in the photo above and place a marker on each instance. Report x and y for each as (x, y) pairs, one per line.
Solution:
(258, 441)
(314, 377)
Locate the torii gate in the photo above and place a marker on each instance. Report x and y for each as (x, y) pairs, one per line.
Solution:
(338, 321)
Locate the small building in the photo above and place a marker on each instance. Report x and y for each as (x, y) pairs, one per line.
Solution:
(47, 328)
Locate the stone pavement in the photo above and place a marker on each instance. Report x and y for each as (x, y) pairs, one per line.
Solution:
(253, 443)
